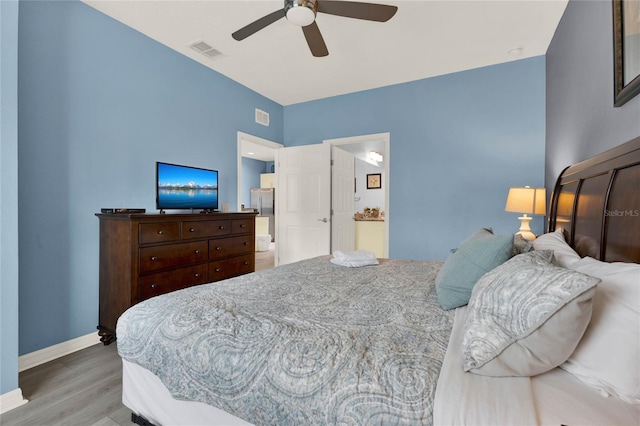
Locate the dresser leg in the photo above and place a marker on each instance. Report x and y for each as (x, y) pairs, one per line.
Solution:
(106, 336)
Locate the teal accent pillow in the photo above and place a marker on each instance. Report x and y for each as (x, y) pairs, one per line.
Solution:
(475, 256)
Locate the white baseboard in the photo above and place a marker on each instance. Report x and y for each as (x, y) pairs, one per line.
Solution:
(10, 400)
(50, 353)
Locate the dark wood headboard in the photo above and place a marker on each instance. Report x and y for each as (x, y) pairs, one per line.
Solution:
(597, 203)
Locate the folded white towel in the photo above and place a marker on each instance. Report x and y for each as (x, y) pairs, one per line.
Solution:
(354, 259)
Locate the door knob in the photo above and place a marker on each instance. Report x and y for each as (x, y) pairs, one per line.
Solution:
(324, 219)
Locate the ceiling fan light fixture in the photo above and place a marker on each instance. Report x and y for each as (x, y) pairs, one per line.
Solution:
(300, 12)
(376, 156)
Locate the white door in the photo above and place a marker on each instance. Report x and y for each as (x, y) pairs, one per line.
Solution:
(303, 202)
(342, 200)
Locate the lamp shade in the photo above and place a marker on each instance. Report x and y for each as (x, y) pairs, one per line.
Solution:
(527, 200)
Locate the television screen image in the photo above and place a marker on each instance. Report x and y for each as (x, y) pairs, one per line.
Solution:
(183, 187)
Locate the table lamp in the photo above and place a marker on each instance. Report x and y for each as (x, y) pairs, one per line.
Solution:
(526, 200)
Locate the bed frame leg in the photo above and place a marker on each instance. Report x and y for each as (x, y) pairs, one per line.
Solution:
(139, 420)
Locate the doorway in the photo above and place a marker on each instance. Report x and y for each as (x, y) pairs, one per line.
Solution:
(361, 147)
(255, 169)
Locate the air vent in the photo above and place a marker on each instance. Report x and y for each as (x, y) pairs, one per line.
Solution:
(262, 117)
(205, 49)
(212, 53)
(201, 46)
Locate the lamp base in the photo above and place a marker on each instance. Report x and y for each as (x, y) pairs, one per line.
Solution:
(525, 230)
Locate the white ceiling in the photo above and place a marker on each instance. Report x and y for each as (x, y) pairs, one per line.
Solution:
(361, 150)
(424, 39)
(257, 151)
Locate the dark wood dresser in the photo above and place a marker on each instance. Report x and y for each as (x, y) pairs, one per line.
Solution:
(145, 255)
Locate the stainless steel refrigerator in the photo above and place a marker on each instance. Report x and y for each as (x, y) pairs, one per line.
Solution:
(263, 201)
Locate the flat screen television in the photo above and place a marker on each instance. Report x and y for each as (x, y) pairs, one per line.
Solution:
(184, 187)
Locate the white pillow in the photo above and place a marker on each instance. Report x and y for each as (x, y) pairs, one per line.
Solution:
(608, 356)
(555, 241)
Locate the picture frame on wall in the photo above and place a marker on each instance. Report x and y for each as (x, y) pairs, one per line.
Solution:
(374, 181)
(626, 50)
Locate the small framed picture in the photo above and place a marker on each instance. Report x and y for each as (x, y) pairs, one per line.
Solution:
(374, 181)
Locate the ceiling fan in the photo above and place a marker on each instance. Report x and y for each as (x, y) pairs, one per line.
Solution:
(303, 13)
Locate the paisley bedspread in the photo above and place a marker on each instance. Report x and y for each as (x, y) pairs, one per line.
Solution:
(310, 343)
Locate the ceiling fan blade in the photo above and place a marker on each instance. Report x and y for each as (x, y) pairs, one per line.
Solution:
(358, 10)
(257, 25)
(315, 40)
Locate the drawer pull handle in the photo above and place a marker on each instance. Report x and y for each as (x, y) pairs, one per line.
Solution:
(246, 243)
(161, 232)
(192, 229)
(218, 270)
(154, 286)
(221, 227)
(243, 225)
(197, 275)
(218, 248)
(246, 262)
(197, 251)
(154, 258)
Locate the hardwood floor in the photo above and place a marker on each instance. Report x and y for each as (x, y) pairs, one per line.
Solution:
(83, 388)
(265, 259)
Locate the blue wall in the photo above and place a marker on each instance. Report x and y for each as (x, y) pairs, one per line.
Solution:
(99, 104)
(458, 142)
(8, 196)
(581, 118)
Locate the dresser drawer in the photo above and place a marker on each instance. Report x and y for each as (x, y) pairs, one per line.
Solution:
(164, 282)
(227, 268)
(223, 247)
(205, 228)
(158, 232)
(163, 257)
(242, 226)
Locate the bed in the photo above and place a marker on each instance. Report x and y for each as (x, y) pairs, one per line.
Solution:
(318, 343)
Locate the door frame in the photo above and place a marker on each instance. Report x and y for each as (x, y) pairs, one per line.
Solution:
(386, 138)
(251, 139)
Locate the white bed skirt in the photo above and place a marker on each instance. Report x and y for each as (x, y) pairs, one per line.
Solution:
(144, 394)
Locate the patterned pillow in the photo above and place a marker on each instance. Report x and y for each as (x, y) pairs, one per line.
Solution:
(474, 257)
(526, 316)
